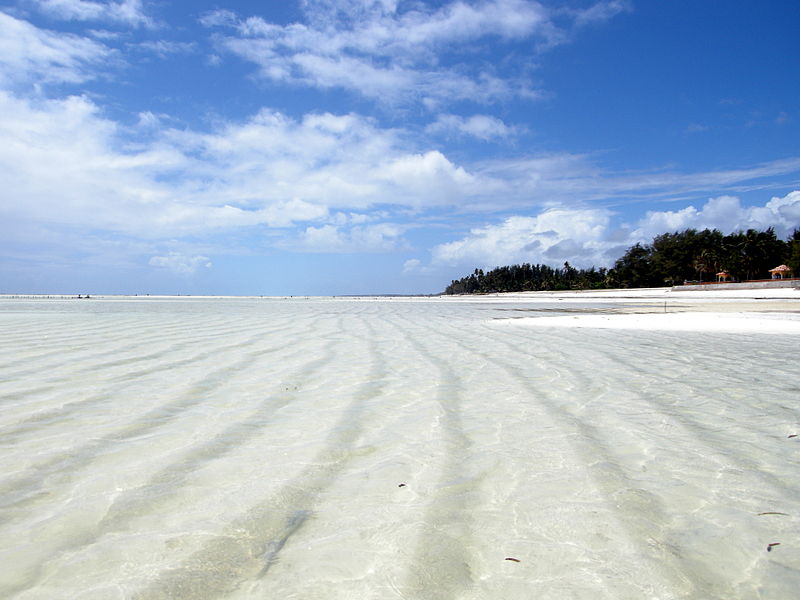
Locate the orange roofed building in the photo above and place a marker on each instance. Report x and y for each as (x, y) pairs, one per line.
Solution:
(781, 272)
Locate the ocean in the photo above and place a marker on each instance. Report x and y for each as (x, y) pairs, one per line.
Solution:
(389, 448)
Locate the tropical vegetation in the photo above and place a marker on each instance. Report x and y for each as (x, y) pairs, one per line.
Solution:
(670, 259)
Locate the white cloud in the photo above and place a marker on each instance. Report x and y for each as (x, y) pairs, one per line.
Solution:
(412, 265)
(286, 213)
(567, 178)
(104, 34)
(376, 50)
(333, 181)
(601, 12)
(129, 12)
(61, 163)
(429, 179)
(180, 263)
(64, 163)
(587, 237)
(410, 52)
(219, 18)
(164, 48)
(379, 28)
(341, 218)
(727, 214)
(149, 120)
(31, 55)
(377, 80)
(381, 237)
(483, 127)
(552, 236)
(336, 161)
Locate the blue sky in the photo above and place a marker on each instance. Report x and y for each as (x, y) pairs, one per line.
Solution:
(380, 146)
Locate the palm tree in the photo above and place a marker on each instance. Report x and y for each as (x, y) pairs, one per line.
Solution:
(706, 262)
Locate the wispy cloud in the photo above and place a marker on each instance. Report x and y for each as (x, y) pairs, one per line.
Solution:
(482, 127)
(164, 48)
(29, 54)
(600, 12)
(567, 178)
(379, 51)
(696, 128)
(128, 12)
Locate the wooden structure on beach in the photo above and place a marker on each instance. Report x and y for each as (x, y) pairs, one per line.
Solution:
(781, 272)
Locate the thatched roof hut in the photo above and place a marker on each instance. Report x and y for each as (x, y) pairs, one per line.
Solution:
(781, 272)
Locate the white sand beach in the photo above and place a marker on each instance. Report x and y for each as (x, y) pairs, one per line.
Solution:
(683, 321)
(551, 446)
(775, 310)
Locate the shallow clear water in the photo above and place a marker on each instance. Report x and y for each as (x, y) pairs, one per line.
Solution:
(354, 448)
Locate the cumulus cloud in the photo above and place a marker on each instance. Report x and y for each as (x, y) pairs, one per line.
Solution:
(337, 161)
(180, 263)
(552, 236)
(428, 179)
(727, 214)
(269, 170)
(589, 237)
(129, 12)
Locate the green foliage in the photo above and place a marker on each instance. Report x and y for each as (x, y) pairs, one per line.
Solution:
(527, 278)
(670, 259)
(693, 255)
(793, 260)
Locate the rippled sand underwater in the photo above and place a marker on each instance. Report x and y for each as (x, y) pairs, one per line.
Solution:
(353, 448)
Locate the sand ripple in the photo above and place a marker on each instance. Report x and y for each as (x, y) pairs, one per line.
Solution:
(339, 448)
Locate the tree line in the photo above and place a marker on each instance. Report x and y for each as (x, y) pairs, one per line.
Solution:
(670, 259)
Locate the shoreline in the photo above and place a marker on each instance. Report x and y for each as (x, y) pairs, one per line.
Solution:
(620, 294)
(763, 311)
